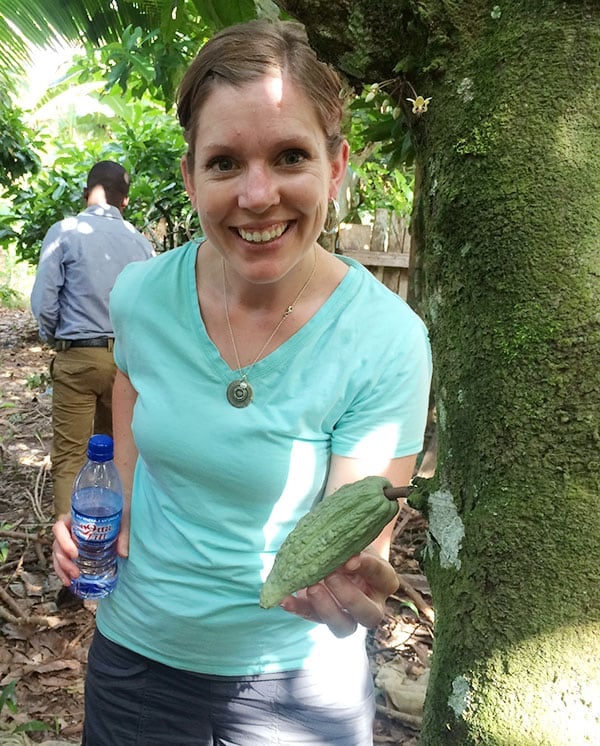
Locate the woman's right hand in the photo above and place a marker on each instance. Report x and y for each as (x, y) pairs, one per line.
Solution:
(64, 551)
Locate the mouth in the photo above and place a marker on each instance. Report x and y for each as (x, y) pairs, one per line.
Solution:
(264, 235)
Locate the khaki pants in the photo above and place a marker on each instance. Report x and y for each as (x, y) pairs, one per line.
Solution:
(82, 381)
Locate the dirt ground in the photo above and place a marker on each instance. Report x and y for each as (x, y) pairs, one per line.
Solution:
(43, 648)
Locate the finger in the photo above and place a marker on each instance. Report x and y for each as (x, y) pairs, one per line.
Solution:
(64, 567)
(373, 571)
(364, 609)
(64, 551)
(339, 621)
(63, 539)
(301, 606)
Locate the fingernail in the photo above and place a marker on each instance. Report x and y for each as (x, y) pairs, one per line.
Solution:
(352, 564)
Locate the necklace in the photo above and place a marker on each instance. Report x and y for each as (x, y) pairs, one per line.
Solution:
(239, 391)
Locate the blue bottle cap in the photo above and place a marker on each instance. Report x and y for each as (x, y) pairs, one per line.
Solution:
(100, 448)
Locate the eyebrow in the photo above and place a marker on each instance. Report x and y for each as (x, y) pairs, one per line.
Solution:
(214, 147)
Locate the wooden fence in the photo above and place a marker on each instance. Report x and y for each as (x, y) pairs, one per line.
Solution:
(384, 248)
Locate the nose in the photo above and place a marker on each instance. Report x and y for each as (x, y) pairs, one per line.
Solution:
(258, 188)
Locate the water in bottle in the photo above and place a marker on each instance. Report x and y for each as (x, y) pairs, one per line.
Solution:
(96, 507)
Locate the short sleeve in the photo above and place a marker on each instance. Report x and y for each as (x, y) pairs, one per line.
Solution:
(388, 416)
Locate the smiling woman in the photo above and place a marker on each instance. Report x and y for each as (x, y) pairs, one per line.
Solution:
(257, 373)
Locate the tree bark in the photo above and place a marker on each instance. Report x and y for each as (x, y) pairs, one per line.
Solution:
(506, 227)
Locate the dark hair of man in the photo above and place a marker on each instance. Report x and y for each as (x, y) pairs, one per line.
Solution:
(113, 177)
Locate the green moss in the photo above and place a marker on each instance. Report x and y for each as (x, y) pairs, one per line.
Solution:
(509, 215)
(481, 141)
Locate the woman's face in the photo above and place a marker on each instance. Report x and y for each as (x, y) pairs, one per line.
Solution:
(262, 176)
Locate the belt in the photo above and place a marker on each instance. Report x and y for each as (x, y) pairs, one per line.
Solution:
(65, 344)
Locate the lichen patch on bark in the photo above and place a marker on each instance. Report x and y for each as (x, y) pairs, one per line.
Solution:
(446, 528)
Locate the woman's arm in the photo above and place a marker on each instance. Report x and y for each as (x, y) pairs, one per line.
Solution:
(126, 453)
(356, 593)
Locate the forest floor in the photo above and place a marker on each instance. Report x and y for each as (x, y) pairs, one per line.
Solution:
(43, 648)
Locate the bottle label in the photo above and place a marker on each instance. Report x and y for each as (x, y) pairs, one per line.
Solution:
(86, 528)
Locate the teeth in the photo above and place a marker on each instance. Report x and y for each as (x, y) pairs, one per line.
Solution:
(263, 236)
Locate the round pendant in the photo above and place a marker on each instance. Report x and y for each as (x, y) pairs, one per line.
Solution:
(239, 393)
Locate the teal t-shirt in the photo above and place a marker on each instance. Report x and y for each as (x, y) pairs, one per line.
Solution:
(217, 489)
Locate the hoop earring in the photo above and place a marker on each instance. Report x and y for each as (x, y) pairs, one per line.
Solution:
(332, 220)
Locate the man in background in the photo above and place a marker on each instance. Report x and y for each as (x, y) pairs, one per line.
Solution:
(79, 262)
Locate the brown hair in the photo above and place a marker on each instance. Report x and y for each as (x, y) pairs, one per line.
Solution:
(247, 51)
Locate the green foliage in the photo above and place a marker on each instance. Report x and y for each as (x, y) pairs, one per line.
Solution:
(13, 50)
(45, 24)
(42, 22)
(38, 381)
(4, 545)
(145, 140)
(150, 58)
(8, 699)
(10, 298)
(15, 278)
(378, 119)
(150, 145)
(221, 13)
(54, 193)
(142, 63)
(17, 142)
(136, 71)
(382, 154)
(99, 23)
(382, 187)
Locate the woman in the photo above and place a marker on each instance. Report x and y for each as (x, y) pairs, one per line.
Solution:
(257, 372)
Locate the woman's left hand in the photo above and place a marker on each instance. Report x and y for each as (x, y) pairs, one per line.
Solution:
(353, 594)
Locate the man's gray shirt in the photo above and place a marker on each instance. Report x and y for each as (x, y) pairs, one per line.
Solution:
(80, 259)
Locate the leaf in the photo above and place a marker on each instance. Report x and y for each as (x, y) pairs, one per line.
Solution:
(381, 130)
(58, 192)
(8, 697)
(411, 606)
(221, 13)
(32, 726)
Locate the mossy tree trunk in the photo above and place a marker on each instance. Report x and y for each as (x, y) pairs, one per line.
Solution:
(507, 236)
(509, 213)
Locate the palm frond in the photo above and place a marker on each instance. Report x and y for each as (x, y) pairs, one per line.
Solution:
(42, 22)
(47, 23)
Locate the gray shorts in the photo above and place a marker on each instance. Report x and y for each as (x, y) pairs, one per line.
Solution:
(133, 701)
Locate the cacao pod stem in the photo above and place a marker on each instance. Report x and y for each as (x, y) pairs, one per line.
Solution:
(394, 493)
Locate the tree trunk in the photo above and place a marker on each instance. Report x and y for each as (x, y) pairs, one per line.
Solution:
(510, 213)
(507, 226)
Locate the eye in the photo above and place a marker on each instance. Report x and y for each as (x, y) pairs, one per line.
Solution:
(221, 164)
(293, 157)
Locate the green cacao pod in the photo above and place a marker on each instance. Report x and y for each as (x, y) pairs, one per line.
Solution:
(334, 530)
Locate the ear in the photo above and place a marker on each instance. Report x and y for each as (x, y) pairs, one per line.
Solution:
(188, 180)
(124, 202)
(338, 169)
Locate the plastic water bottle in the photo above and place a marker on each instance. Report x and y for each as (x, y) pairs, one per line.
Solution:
(96, 507)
